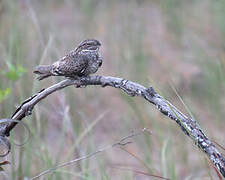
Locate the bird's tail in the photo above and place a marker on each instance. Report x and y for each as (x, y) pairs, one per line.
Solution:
(44, 71)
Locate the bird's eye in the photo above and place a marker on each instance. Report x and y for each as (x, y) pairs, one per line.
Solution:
(100, 64)
(93, 48)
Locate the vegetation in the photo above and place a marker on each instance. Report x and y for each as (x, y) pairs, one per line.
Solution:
(152, 42)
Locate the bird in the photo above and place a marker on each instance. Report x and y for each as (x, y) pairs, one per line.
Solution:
(82, 61)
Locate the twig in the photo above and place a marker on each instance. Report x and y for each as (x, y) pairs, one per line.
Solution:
(121, 142)
(4, 140)
(187, 125)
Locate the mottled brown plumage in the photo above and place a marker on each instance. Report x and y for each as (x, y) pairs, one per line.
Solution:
(82, 61)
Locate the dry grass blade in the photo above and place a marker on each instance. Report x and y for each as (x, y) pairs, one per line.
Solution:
(140, 172)
(137, 158)
(85, 132)
(121, 142)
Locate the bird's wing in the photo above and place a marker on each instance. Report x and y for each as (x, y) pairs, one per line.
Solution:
(70, 65)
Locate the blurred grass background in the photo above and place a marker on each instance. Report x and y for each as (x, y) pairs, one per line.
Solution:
(148, 41)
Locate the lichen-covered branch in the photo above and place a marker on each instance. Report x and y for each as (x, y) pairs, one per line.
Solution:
(187, 125)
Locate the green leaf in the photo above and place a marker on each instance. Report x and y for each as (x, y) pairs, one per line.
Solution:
(4, 93)
(15, 72)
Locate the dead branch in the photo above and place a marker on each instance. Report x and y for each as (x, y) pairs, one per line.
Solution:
(187, 125)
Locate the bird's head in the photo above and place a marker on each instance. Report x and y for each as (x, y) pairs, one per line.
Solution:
(89, 44)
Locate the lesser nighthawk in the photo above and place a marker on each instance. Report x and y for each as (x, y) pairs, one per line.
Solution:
(82, 61)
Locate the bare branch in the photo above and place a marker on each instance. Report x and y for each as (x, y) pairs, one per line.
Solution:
(187, 125)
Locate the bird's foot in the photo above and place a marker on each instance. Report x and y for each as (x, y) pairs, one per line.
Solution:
(81, 82)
